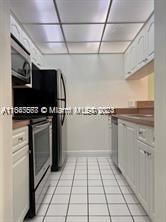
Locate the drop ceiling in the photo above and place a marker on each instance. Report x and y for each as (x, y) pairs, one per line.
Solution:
(82, 26)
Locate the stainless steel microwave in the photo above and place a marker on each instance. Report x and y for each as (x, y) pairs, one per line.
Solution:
(20, 63)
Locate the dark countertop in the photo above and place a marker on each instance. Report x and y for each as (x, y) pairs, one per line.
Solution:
(142, 119)
(20, 123)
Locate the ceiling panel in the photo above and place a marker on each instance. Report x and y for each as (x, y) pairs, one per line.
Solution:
(83, 47)
(121, 32)
(83, 32)
(113, 47)
(131, 10)
(34, 11)
(44, 33)
(52, 48)
(83, 10)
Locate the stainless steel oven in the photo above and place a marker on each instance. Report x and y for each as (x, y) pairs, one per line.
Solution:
(41, 149)
(20, 62)
(40, 144)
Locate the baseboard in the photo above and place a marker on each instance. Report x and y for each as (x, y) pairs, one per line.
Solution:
(89, 153)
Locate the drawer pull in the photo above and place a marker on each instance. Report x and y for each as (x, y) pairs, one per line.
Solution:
(149, 154)
(20, 139)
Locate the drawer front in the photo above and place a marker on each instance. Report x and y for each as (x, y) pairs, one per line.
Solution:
(20, 138)
(146, 135)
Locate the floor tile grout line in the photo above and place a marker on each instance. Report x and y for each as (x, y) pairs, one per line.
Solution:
(122, 193)
(104, 191)
(115, 176)
(71, 191)
(52, 195)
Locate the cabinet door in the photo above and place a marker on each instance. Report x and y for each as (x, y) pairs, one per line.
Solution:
(127, 61)
(26, 42)
(130, 60)
(141, 50)
(15, 29)
(122, 149)
(20, 184)
(131, 151)
(133, 59)
(142, 174)
(150, 181)
(150, 39)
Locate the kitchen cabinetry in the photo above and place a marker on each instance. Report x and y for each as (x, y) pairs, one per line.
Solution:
(131, 154)
(127, 151)
(15, 29)
(146, 176)
(150, 39)
(136, 161)
(20, 173)
(141, 52)
(26, 41)
(122, 158)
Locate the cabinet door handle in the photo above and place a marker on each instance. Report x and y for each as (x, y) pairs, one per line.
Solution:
(140, 133)
(149, 154)
(20, 139)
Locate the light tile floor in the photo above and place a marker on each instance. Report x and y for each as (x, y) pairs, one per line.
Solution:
(90, 190)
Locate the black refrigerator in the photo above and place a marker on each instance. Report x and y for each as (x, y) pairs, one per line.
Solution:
(54, 84)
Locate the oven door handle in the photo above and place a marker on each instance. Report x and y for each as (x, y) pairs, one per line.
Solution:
(41, 127)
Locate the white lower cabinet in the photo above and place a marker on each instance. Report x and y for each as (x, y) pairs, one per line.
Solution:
(121, 147)
(127, 151)
(146, 176)
(20, 182)
(131, 151)
(136, 161)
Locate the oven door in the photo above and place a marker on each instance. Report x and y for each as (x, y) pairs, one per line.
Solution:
(41, 150)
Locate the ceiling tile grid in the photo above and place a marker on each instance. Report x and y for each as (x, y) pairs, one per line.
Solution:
(82, 26)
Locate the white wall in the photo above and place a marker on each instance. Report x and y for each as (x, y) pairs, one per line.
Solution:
(94, 80)
(6, 185)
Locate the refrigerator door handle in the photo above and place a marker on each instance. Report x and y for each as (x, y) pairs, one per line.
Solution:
(64, 99)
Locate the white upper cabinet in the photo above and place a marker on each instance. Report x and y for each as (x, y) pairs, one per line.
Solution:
(15, 29)
(26, 41)
(141, 51)
(150, 39)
